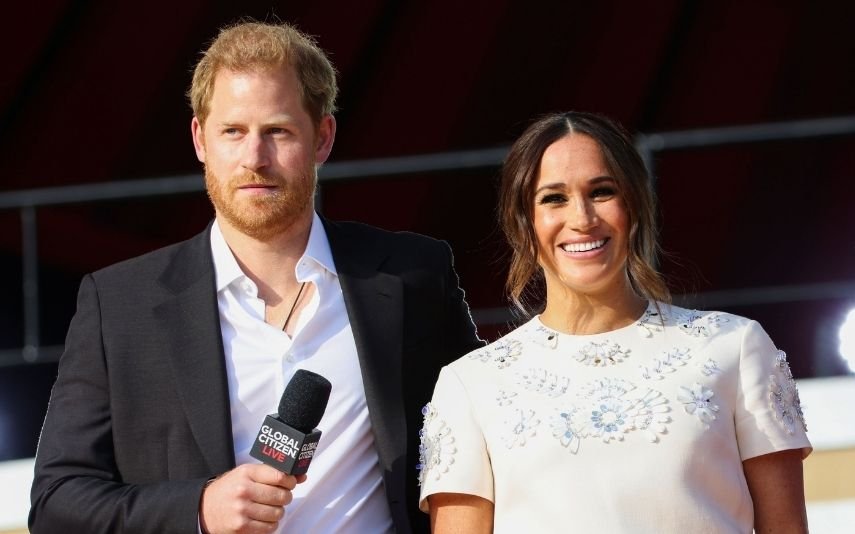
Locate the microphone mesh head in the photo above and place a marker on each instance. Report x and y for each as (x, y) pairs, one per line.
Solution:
(304, 401)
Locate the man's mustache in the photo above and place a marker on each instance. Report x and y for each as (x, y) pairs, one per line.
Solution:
(254, 178)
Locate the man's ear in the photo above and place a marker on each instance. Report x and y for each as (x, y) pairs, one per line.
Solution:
(198, 139)
(325, 139)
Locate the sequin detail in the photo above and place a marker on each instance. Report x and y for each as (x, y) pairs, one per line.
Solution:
(545, 337)
(565, 430)
(717, 320)
(696, 324)
(436, 446)
(521, 425)
(608, 411)
(505, 398)
(690, 323)
(650, 323)
(784, 396)
(502, 353)
(665, 364)
(601, 354)
(697, 401)
(543, 382)
(710, 367)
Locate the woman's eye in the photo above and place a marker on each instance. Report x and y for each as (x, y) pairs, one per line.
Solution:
(552, 198)
(603, 193)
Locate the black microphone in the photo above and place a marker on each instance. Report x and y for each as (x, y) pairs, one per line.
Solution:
(287, 440)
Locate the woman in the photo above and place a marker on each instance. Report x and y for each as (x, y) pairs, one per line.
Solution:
(611, 410)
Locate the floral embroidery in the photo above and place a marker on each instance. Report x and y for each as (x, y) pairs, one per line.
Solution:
(710, 367)
(565, 430)
(609, 419)
(784, 396)
(601, 354)
(436, 446)
(717, 320)
(650, 323)
(696, 400)
(543, 382)
(783, 365)
(506, 398)
(523, 424)
(650, 415)
(667, 363)
(545, 337)
(503, 353)
(609, 412)
(689, 321)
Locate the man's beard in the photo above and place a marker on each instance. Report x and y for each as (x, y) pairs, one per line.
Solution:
(263, 216)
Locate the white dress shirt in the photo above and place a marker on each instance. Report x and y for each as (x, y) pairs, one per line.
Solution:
(344, 491)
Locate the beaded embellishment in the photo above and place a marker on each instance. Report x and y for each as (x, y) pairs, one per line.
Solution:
(505, 398)
(436, 446)
(543, 382)
(784, 396)
(709, 367)
(692, 323)
(667, 363)
(689, 322)
(521, 425)
(565, 429)
(697, 401)
(601, 354)
(650, 323)
(608, 411)
(545, 337)
(502, 353)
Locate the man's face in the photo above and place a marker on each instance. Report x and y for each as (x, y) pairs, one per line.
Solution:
(260, 148)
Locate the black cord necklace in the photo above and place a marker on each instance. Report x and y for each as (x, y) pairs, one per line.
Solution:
(294, 306)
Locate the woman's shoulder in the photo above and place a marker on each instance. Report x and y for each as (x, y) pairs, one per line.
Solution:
(697, 322)
(499, 354)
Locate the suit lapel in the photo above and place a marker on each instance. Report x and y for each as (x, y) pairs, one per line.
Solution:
(190, 328)
(374, 302)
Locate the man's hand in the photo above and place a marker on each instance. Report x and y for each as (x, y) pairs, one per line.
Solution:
(248, 499)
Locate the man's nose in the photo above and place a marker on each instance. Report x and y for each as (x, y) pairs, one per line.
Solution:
(255, 152)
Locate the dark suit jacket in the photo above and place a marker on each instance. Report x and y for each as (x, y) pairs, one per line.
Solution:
(139, 416)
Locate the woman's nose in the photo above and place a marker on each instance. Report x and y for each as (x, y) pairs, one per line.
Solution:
(582, 215)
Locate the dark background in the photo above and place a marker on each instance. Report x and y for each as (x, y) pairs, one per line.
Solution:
(93, 92)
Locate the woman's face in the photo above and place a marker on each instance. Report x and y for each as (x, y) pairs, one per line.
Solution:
(580, 219)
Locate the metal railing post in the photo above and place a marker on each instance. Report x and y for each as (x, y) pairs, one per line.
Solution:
(30, 285)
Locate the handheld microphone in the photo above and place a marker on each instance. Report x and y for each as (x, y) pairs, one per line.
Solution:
(287, 440)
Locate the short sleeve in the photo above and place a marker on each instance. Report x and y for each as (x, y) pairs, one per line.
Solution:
(453, 455)
(768, 411)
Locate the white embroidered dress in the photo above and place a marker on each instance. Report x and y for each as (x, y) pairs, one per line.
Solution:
(642, 429)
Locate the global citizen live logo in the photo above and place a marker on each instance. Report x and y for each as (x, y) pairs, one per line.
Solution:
(283, 447)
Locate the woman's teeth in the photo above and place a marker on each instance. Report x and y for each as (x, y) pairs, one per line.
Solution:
(583, 247)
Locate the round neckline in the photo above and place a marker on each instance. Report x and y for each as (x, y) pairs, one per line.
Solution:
(632, 325)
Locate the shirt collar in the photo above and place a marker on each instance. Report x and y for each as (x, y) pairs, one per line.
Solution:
(227, 270)
(317, 249)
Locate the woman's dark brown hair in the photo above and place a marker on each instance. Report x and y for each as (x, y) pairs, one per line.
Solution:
(516, 203)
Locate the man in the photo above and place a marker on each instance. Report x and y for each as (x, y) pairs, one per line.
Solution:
(174, 358)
